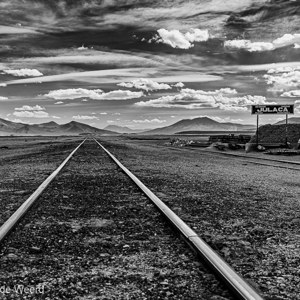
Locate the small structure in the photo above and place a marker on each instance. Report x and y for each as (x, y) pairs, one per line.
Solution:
(230, 138)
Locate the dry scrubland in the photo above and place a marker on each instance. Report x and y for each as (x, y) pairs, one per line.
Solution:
(87, 241)
(249, 213)
(93, 235)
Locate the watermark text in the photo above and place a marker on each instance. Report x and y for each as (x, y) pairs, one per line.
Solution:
(22, 289)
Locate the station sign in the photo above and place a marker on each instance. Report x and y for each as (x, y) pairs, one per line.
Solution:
(272, 109)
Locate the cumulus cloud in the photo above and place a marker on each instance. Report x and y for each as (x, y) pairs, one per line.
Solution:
(23, 73)
(179, 85)
(145, 84)
(283, 69)
(27, 111)
(240, 103)
(103, 113)
(197, 99)
(96, 94)
(248, 45)
(147, 121)
(283, 77)
(3, 98)
(31, 114)
(73, 93)
(81, 117)
(285, 40)
(58, 102)
(296, 46)
(294, 93)
(179, 101)
(120, 95)
(30, 108)
(177, 39)
(3, 84)
(223, 91)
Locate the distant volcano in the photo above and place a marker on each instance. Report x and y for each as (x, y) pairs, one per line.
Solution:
(200, 124)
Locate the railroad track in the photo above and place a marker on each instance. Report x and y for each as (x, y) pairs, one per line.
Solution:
(240, 288)
(290, 165)
(276, 163)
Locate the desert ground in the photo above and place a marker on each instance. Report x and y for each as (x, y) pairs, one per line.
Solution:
(93, 235)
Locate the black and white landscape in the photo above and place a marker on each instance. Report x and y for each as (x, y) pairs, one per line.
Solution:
(119, 118)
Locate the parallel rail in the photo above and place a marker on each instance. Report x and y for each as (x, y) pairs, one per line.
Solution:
(275, 163)
(22, 210)
(234, 281)
(250, 157)
(271, 165)
(246, 158)
(239, 286)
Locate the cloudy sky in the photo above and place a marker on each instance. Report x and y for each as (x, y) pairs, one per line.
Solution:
(147, 64)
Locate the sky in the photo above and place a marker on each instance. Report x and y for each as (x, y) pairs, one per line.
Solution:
(147, 64)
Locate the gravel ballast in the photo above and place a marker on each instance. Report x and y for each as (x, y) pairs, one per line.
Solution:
(248, 213)
(94, 235)
(24, 164)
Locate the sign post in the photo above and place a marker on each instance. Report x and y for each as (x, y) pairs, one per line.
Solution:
(286, 129)
(273, 109)
(257, 118)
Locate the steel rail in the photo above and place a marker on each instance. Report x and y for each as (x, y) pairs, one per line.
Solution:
(22, 210)
(239, 156)
(244, 156)
(234, 281)
(269, 165)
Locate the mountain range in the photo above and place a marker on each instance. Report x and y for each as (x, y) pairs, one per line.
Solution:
(75, 128)
(50, 128)
(293, 120)
(122, 129)
(200, 124)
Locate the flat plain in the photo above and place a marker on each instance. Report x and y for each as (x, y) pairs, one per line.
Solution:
(248, 213)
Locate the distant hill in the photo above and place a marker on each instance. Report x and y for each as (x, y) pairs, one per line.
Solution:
(200, 124)
(121, 129)
(50, 128)
(293, 120)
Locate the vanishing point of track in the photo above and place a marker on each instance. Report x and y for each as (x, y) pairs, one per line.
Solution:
(236, 283)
